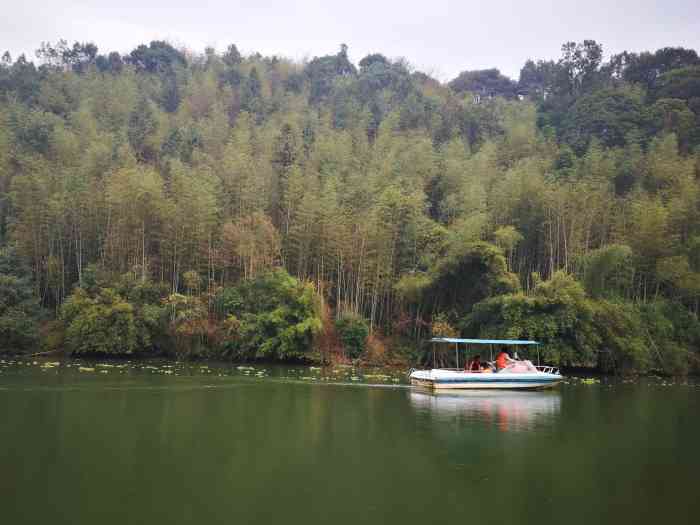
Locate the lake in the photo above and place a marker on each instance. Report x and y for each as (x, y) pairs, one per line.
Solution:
(170, 443)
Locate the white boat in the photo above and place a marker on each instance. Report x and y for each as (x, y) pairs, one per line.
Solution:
(519, 375)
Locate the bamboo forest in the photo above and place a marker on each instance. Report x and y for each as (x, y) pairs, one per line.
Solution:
(166, 202)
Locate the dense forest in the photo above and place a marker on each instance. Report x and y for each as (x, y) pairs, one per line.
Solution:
(250, 207)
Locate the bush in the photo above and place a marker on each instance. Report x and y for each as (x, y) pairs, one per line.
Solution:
(273, 316)
(625, 345)
(103, 324)
(189, 324)
(558, 315)
(674, 334)
(352, 332)
(615, 336)
(118, 321)
(19, 309)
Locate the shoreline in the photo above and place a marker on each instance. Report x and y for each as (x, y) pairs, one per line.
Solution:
(309, 363)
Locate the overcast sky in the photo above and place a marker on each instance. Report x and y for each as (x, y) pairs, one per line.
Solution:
(440, 37)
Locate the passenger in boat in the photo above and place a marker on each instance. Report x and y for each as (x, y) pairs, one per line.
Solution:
(475, 364)
(503, 360)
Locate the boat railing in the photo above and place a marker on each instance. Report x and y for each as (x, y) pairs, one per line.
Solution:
(548, 369)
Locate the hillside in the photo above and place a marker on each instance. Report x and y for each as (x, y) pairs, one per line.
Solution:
(164, 201)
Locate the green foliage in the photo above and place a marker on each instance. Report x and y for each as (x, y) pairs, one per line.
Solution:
(608, 270)
(558, 314)
(19, 308)
(610, 334)
(610, 116)
(180, 174)
(188, 325)
(681, 83)
(18, 314)
(121, 320)
(674, 336)
(103, 324)
(273, 316)
(353, 332)
(659, 335)
(468, 274)
(487, 82)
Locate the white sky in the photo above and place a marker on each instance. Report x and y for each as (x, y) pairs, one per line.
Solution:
(440, 37)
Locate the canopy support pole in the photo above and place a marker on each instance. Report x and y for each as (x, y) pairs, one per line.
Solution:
(457, 353)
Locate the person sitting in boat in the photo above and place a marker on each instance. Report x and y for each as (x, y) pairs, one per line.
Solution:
(503, 360)
(474, 365)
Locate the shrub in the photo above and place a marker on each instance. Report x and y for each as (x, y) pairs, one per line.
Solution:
(103, 324)
(352, 332)
(189, 323)
(558, 315)
(103, 320)
(273, 316)
(19, 309)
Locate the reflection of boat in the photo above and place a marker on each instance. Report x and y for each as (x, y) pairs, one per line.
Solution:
(508, 409)
(518, 375)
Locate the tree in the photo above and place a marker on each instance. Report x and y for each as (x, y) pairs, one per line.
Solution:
(353, 332)
(103, 324)
(273, 316)
(190, 222)
(251, 95)
(507, 239)
(19, 308)
(538, 79)
(232, 57)
(136, 202)
(580, 63)
(645, 68)
(157, 57)
(558, 314)
(322, 72)
(469, 274)
(485, 82)
(610, 116)
(608, 271)
(251, 245)
(681, 84)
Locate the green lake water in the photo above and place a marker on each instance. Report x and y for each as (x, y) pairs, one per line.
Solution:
(158, 443)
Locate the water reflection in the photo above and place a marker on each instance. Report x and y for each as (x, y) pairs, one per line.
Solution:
(506, 410)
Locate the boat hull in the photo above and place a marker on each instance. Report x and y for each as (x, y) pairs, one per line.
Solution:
(453, 380)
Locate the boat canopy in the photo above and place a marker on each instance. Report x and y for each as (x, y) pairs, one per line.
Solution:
(483, 341)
